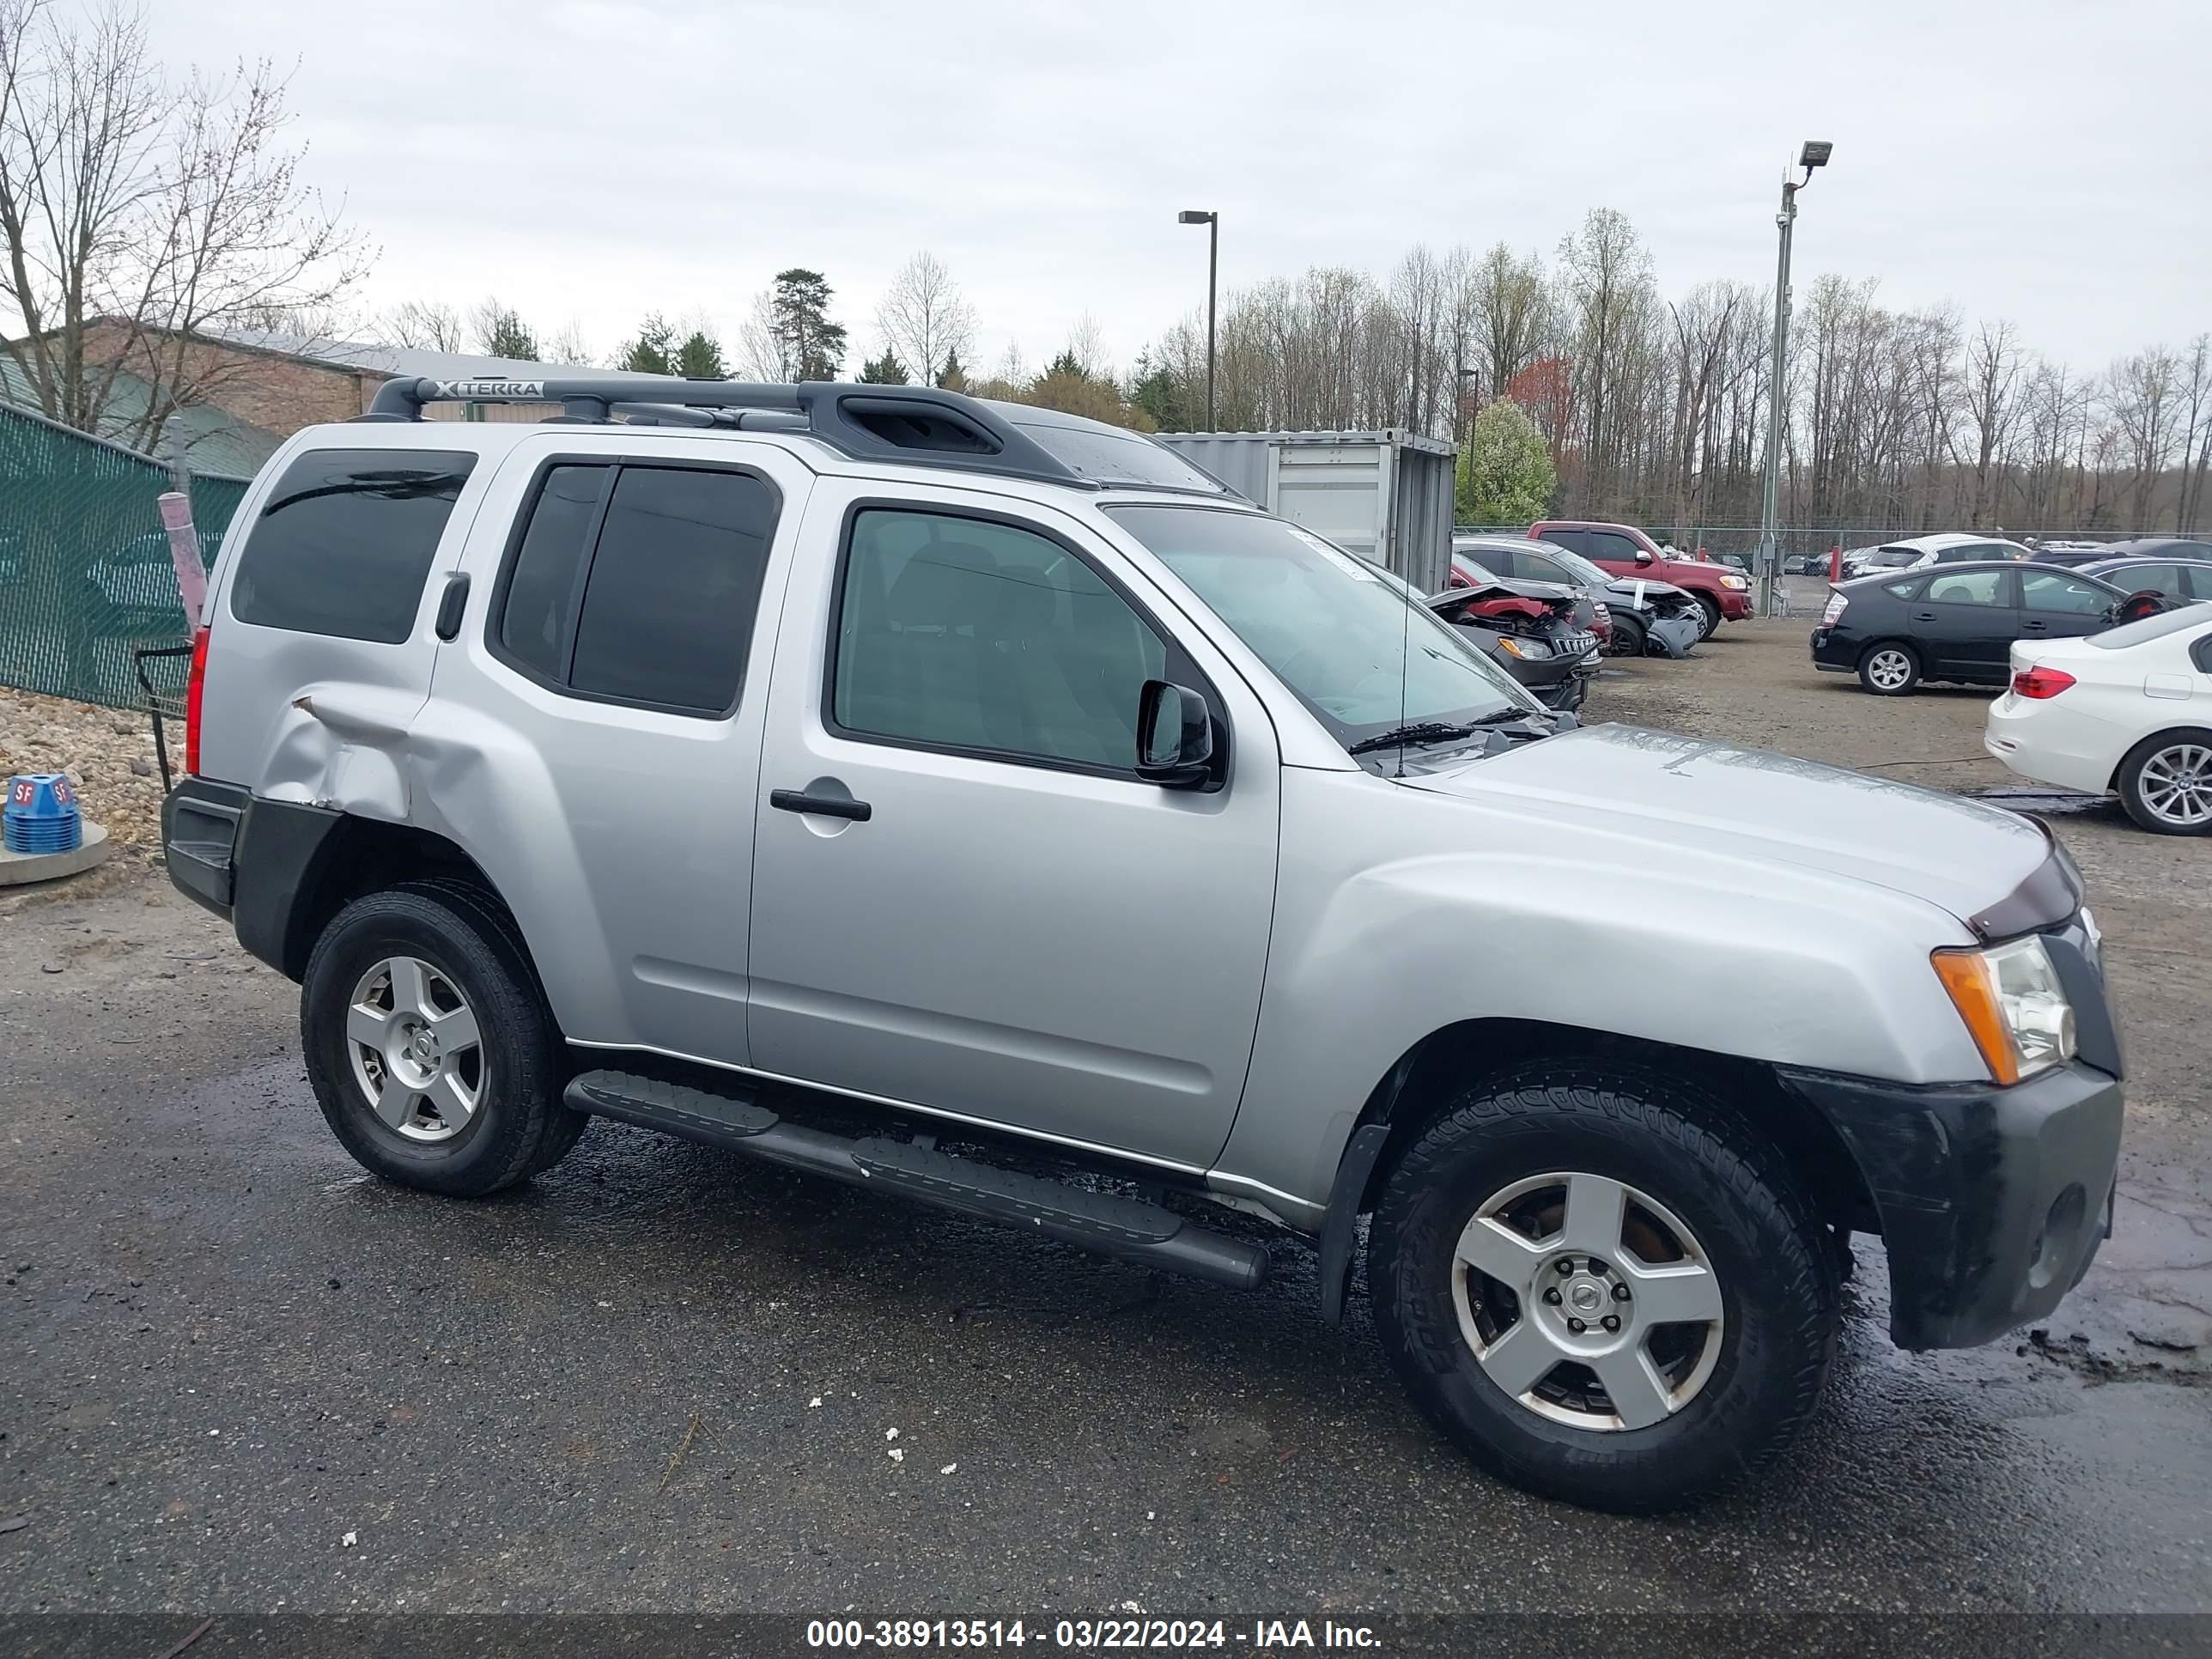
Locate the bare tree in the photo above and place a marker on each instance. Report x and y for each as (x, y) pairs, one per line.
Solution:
(143, 214)
(2143, 394)
(569, 346)
(924, 319)
(1993, 370)
(423, 326)
(2197, 440)
(1510, 305)
(1087, 345)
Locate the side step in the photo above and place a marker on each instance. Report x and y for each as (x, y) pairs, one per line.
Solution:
(1110, 1224)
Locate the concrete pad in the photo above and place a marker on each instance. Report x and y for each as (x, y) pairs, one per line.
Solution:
(17, 868)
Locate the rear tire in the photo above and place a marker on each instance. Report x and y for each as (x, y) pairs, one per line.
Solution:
(1889, 668)
(1711, 1216)
(2166, 783)
(431, 1050)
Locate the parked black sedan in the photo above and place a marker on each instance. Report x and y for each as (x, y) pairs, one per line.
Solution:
(1958, 621)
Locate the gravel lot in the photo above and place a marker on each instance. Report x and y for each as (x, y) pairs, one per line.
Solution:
(244, 1377)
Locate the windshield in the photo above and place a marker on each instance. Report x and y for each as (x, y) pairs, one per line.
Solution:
(1335, 631)
(2154, 628)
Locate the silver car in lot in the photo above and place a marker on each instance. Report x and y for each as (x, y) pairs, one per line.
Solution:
(981, 806)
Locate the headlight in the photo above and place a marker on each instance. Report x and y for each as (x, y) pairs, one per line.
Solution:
(1599, 610)
(1526, 650)
(1735, 582)
(2010, 998)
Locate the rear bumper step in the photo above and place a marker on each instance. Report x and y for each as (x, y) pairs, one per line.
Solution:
(1110, 1224)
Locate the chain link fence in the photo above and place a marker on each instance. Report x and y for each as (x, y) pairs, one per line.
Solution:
(86, 576)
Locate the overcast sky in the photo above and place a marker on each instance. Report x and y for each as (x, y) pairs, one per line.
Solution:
(2044, 161)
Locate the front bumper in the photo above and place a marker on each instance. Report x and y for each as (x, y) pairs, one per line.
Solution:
(1992, 1201)
(1674, 636)
(1735, 603)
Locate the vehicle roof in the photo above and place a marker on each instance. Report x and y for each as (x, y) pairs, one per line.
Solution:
(2125, 560)
(1941, 539)
(2146, 547)
(498, 437)
(1881, 576)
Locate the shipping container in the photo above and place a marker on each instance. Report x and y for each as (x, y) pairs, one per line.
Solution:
(1385, 496)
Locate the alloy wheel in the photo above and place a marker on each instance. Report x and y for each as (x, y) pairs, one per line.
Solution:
(1587, 1302)
(417, 1055)
(2176, 785)
(1889, 669)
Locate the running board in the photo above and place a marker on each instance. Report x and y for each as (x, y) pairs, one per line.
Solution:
(1103, 1222)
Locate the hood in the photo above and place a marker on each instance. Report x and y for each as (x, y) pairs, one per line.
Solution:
(1659, 789)
(1626, 587)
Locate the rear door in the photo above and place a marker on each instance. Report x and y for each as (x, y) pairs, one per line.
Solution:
(2149, 577)
(2058, 604)
(2197, 579)
(593, 733)
(1963, 621)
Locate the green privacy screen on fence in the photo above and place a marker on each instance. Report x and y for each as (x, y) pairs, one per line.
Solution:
(85, 572)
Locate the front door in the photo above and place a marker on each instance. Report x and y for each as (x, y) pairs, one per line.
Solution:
(963, 897)
(1963, 623)
(2056, 605)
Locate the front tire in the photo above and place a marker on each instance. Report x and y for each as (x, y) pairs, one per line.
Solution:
(1548, 1201)
(2166, 783)
(1889, 668)
(432, 1052)
(1711, 607)
(1629, 639)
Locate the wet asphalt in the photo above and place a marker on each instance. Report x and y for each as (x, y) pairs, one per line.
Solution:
(242, 1375)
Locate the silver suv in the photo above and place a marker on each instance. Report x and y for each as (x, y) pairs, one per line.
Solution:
(984, 806)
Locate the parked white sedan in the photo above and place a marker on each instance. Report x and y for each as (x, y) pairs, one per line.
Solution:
(2129, 710)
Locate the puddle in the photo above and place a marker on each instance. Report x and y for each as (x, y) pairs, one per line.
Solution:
(2036, 799)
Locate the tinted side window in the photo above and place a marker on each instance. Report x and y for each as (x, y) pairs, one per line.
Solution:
(1612, 544)
(2146, 578)
(1967, 587)
(962, 634)
(2199, 578)
(1903, 590)
(2201, 654)
(345, 543)
(1535, 567)
(538, 614)
(2050, 590)
(1574, 541)
(675, 580)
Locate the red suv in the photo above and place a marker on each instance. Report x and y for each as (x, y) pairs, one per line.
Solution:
(1624, 550)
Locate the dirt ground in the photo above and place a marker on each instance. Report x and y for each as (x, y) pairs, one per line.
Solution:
(2145, 1303)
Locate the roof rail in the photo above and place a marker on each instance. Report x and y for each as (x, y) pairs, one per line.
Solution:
(911, 426)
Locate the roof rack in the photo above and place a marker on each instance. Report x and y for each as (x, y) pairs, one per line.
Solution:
(912, 425)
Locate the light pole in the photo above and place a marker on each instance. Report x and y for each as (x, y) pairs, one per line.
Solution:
(1813, 155)
(1212, 223)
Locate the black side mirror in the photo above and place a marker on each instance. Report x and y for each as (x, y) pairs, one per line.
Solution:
(1175, 737)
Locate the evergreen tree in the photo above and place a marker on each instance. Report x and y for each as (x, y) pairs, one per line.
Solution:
(885, 370)
(808, 344)
(502, 333)
(648, 354)
(1173, 403)
(699, 357)
(952, 377)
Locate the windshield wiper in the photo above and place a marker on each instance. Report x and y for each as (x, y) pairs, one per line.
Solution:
(1419, 732)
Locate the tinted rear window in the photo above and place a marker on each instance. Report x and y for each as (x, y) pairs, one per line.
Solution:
(345, 543)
